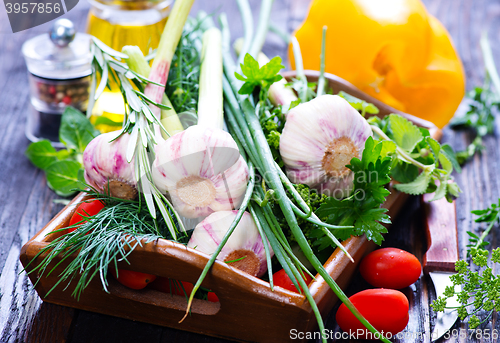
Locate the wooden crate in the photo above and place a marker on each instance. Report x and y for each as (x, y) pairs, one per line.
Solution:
(248, 311)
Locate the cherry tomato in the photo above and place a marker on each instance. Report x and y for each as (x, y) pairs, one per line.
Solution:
(390, 268)
(385, 309)
(132, 279)
(280, 278)
(212, 297)
(167, 285)
(88, 208)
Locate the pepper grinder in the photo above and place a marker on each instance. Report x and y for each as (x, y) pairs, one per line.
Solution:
(59, 69)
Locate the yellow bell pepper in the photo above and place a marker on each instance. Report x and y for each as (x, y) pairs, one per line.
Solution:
(391, 49)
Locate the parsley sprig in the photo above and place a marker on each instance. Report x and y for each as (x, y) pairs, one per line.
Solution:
(255, 76)
(362, 209)
(480, 290)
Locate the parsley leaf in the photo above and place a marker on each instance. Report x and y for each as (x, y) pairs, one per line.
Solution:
(255, 76)
(362, 209)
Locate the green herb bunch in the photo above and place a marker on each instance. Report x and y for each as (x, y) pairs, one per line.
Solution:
(420, 164)
(182, 86)
(479, 287)
(101, 241)
(484, 102)
(64, 168)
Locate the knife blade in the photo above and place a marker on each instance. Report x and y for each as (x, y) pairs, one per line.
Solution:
(442, 253)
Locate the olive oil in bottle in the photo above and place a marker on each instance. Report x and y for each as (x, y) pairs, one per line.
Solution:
(120, 23)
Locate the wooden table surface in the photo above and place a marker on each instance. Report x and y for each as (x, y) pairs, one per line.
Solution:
(27, 204)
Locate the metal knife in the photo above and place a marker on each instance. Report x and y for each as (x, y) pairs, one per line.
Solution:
(441, 255)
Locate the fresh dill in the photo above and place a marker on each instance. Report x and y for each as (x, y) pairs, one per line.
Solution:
(480, 288)
(105, 239)
(182, 84)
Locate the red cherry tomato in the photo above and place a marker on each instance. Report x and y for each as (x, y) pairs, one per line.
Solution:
(88, 208)
(132, 279)
(385, 309)
(390, 268)
(167, 285)
(280, 278)
(212, 297)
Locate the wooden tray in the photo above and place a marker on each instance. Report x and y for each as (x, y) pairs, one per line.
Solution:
(248, 310)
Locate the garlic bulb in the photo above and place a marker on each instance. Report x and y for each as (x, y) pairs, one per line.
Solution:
(106, 166)
(245, 241)
(319, 139)
(202, 170)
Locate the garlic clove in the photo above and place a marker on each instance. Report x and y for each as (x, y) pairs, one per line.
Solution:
(106, 167)
(320, 137)
(245, 242)
(202, 170)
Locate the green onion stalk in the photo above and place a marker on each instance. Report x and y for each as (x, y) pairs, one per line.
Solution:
(210, 100)
(246, 41)
(245, 115)
(169, 118)
(165, 52)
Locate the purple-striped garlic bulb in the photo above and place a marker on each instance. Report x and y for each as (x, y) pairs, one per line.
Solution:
(245, 245)
(319, 139)
(202, 170)
(106, 166)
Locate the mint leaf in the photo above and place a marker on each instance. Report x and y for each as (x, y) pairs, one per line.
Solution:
(62, 177)
(435, 147)
(76, 131)
(440, 191)
(255, 76)
(404, 172)
(404, 132)
(417, 186)
(42, 154)
(445, 163)
(447, 150)
(358, 104)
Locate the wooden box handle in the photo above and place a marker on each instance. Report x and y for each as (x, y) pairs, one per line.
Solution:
(441, 230)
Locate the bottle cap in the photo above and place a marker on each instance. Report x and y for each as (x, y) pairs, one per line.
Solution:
(62, 54)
